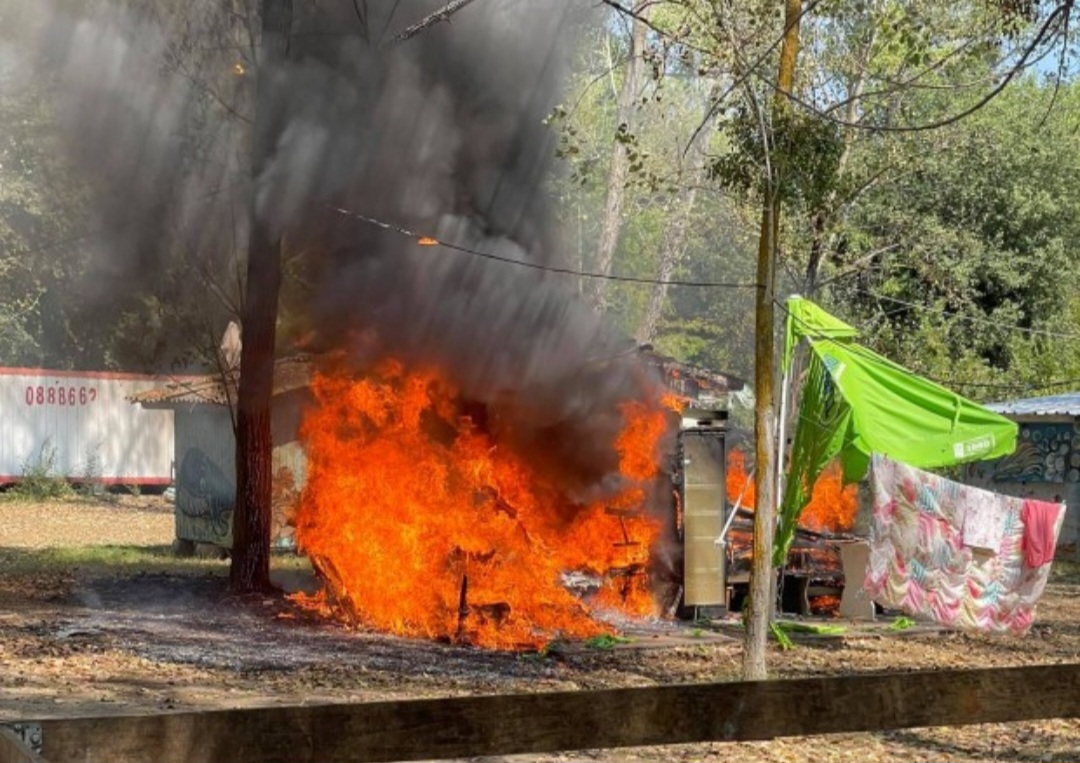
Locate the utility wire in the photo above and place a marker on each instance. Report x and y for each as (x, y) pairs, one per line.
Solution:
(970, 318)
(425, 240)
(86, 235)
(869, 354)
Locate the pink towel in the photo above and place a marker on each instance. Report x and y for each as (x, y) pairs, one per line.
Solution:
(1040, 525)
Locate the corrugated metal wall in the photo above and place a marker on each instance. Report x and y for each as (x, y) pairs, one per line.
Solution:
(87, 422)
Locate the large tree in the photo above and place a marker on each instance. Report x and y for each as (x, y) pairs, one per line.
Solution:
(250, 569)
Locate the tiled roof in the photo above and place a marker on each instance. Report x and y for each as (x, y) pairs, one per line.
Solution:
(289, 374)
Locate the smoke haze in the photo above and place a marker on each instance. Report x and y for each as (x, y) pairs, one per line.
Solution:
(441, 134)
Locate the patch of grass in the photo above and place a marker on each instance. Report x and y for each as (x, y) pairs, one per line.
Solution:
(541, 654)
(40, 481)
(606, 641)
(92, 470)
(107, 561)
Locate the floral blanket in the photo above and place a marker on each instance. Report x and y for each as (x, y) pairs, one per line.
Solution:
(920, 564)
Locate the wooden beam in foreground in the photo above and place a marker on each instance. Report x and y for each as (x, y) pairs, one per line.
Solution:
(13, 750)
(536, 723)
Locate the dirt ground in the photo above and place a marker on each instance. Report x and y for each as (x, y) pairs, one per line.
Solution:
(79, 636)
(120, 520)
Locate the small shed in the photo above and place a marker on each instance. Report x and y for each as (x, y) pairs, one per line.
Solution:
(1046, 462)
(205, 447)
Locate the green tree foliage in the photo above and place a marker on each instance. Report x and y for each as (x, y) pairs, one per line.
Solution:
(927, 172)
(974, 223)
(983, 232)
(64, 300)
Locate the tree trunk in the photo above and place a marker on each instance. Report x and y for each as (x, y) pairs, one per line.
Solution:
(619, 167)
(250, 569)
(763, 577)
(675, 235)
(672, 252)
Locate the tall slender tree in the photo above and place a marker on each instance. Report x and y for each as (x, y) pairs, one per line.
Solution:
(619, 166)
(763, 576)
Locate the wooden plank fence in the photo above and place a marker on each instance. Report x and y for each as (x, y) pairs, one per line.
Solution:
(379, 732)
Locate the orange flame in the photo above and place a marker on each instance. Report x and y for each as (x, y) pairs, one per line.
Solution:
(427, 241)
(673, 402)
(833, 505)
(423, 524)
(738, 481)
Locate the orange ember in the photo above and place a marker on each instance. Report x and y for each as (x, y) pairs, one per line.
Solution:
(427, 241)
(423, 524)
(825, 605)
(833, 505)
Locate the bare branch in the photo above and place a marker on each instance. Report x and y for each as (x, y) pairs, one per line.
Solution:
(1059, 78)
(751, 70)
(1062, 11)
(180, 69)
(443, 14)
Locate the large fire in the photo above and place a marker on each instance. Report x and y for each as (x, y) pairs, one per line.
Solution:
(424, 524)
(833, 505)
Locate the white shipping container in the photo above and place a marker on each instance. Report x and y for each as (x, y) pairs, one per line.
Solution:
(85, 423)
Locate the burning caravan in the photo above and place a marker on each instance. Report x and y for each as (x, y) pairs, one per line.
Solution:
(205, 475)
(714, 509)
(76, 425)
(702, 512)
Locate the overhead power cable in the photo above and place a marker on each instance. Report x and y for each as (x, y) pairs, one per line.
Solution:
(425, 240)
(970, 318)
(107, 229)
(866, 352)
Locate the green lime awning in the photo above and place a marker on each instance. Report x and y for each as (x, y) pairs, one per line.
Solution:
(856, 402)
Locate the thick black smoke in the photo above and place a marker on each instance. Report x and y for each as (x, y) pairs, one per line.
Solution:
(443, 133)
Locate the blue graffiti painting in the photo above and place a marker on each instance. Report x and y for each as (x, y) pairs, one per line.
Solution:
(204, 493)
(1047, 452)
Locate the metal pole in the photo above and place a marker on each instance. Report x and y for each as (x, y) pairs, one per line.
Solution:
(785, 382)
(780, 442)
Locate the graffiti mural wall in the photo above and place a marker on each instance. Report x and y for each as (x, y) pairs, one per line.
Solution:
(1045, 466)
(1045, 452)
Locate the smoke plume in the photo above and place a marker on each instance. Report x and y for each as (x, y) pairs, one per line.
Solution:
(442, 134)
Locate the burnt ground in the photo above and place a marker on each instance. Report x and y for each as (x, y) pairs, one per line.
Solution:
(80, 639)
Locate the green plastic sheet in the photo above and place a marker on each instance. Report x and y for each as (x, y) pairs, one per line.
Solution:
(855, 402)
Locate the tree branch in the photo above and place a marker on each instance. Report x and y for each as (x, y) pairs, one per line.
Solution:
(1044, 33)
(443, 14)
